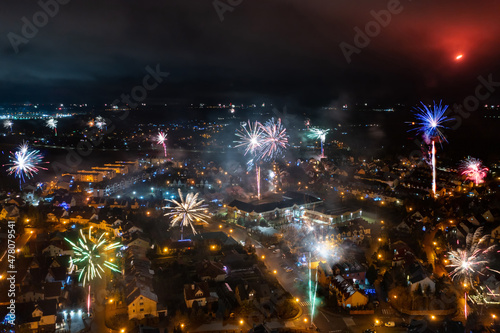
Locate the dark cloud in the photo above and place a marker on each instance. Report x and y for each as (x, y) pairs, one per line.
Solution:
(273, 49)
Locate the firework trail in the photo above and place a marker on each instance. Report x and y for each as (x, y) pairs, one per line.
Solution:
(25, 163)
(161, 140)
(319, 134)
(187, 211)
(8, 124)
(473, 169)
(430, 122)
(90, 255)
(52, 123)
(250, 137)
(274, 140)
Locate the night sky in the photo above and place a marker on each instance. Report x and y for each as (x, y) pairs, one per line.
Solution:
(263, 51)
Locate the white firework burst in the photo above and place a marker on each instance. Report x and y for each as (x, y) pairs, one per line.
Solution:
(187, 211)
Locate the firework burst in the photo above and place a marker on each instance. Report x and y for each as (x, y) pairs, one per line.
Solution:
(90, 253)
(274, 140)
(430, 122)
(25, 163)
(319, 134)
(187, 211)
(52, 123)
(250, 137)
(100, 123)
(161, 140)
(8, 124)
(469, 262)
(473, 169)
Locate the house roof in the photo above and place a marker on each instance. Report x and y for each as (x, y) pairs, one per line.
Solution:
(289, 199)
(210, 269)
(190, 290)
(344, 286)
(52, 289)
(141, 291)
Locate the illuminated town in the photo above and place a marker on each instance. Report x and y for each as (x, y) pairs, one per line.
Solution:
(182, 197)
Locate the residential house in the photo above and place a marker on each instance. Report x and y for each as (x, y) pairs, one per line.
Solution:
(348, 296)
(211, 271)
(141, 303)
(196, 292)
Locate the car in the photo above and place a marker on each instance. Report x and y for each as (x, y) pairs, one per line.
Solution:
(390, 324)
(368, 330)
(296, 280)
(288, 269)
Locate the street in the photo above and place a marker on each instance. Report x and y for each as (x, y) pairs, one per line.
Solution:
(324, 320)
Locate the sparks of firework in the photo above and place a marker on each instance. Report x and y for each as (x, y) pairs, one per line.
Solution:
(431, 121)
(187, 211)
(52, 123)
(250, 137)
(319, 134)
(312, 287)
(8, 124)
(162, 137)
(99, 122)
(25, 163)
(469, 262)
(430, 124)
(274, 140)
(90, 253)
(473, 169)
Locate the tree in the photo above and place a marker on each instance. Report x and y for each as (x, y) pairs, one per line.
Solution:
(371, 274)
(418, 291)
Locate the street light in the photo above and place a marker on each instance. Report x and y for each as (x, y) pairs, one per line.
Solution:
(241, 321)
(297, 300)
(275, 272)
(263, 257)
